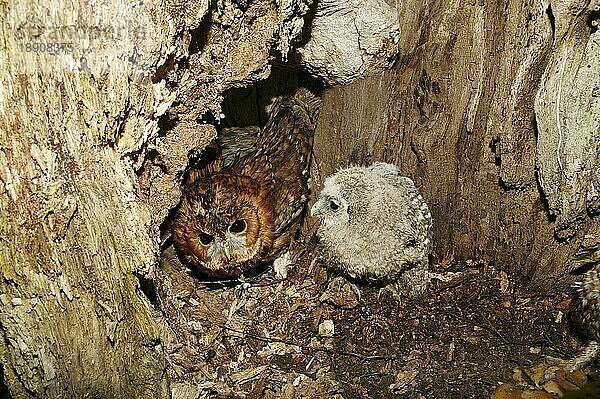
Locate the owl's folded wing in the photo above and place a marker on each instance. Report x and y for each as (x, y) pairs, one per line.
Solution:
(238, 142)
(287, 140)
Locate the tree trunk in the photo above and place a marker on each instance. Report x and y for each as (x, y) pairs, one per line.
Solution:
(492, 108)
(72, 234)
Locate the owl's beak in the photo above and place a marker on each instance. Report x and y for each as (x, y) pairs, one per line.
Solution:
(227, 252)
(317, 208)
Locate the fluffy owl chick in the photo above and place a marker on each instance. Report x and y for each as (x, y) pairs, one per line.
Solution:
(239, 209)
(375, 225)
(585, 310)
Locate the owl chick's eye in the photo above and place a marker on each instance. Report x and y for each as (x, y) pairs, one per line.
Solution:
(333, 205)
(238, 226)
(206, 239)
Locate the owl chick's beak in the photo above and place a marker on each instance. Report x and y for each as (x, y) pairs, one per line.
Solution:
(317, 208)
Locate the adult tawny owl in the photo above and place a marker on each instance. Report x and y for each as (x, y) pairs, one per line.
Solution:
(238, 211)
(375, 225)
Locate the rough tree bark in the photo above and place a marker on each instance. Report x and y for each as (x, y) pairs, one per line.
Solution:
(72, 233)
(492, 108)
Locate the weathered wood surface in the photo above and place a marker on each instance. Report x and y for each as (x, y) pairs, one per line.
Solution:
(349, 38)
(72, 233)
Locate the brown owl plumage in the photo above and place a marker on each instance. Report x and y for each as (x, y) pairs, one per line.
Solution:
(239, 210)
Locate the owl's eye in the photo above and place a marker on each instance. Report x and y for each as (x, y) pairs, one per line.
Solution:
(238, 226)
(206, 239)
(333, 205)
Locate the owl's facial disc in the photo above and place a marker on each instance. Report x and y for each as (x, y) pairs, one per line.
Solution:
(222, 231)
(222, 253)
(231, 246)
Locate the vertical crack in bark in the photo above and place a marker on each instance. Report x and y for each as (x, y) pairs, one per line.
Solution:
(557, 115)
(552, 20)
(199, 36)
